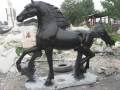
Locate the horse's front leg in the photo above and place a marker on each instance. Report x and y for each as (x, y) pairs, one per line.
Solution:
(49, 53)
(29, 71)
(33, 49)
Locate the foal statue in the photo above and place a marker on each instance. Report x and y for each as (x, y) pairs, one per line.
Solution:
(52, 34)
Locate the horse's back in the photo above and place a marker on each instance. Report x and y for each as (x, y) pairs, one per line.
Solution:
(66, 40)
(65, 34)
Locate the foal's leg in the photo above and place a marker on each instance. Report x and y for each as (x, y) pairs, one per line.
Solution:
(33, 49)
(31, 67)
(49, 53)
(79, 68)
(89, 54)
(87, 64)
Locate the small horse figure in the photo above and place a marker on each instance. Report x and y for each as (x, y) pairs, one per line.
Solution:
(88, 37)
(52, 33)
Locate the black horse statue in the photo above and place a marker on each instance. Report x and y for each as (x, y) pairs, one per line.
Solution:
(52, 34)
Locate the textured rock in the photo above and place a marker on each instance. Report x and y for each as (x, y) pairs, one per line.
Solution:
(105, 65)
(100, 42)
(118, 32)
(8, 44)
(117, 45)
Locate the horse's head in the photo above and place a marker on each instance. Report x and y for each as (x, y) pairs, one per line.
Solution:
(28, 12)
(100, 29)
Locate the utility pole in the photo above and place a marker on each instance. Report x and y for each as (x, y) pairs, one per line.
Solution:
(10, 14)
(6, 14)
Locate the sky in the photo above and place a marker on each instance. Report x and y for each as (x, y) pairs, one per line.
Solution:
(19, 5)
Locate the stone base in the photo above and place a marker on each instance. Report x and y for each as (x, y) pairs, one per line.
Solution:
(62, 81)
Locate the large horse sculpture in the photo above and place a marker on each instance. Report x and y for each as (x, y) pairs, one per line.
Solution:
(52, 34)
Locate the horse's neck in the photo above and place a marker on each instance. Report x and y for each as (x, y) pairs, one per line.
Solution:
(46, 19)
(41, 22)
(44, 24)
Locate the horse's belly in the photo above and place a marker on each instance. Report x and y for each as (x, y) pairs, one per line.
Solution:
(67, 40)
(67, 44)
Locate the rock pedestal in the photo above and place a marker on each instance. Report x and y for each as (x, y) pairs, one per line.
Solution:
(62, 81)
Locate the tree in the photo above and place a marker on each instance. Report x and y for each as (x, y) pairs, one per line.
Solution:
(112, 8)
(77, 10)
(88, 6)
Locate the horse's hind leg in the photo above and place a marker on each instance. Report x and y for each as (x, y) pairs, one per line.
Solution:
(33, 49)
(30, 70)
(79, 68)
(49, 53)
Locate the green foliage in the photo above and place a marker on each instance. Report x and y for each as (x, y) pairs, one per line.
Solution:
(88, 7)
(115, 37)
(109, 29)
(112, 7)
(19, 50)
(77, 10)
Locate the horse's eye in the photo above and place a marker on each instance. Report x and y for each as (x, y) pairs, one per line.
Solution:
(27, 9)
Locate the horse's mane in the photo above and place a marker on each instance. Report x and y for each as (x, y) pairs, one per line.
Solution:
(60, 18)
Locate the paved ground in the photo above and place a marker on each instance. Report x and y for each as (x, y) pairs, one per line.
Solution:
(14, 81)
(107, 83)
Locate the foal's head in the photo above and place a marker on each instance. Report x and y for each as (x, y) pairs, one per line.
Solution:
(100, 30)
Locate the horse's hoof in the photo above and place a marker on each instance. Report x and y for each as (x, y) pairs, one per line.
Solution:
(79, 77)
(85, 71)
(48, 83)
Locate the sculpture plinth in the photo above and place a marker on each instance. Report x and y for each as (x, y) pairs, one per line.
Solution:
(62, 81)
